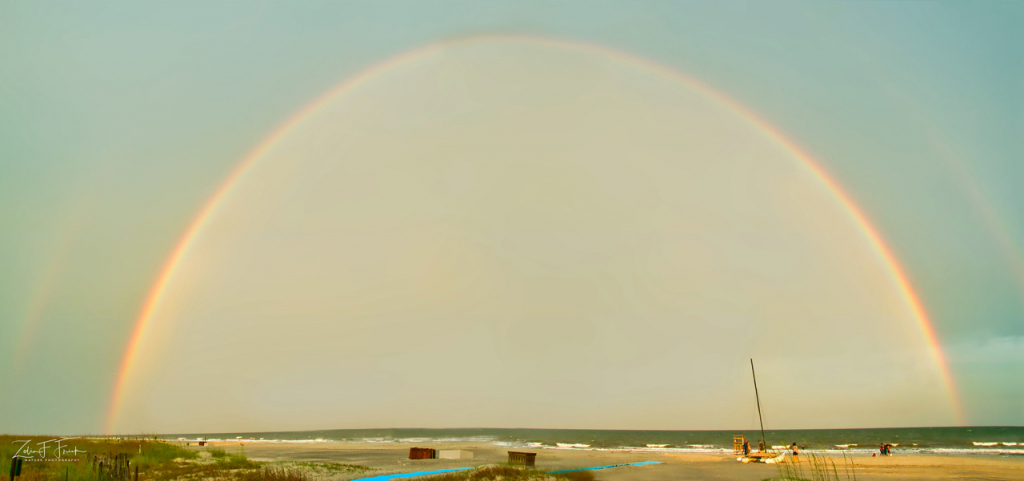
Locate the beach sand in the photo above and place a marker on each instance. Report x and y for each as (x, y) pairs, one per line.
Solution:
(392, 458)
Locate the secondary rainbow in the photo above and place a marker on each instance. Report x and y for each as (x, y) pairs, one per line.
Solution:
(186, 241)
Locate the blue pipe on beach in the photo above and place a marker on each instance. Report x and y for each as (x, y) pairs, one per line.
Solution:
(604, 467)
(388, 477)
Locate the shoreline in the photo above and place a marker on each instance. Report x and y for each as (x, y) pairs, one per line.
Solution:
(392, 457)
(854, 452)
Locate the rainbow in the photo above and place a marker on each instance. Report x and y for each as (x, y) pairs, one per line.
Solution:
(186, 241)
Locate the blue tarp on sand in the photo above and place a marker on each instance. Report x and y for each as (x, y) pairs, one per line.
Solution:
(388, 477)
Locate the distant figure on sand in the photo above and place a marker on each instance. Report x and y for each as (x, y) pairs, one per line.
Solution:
(760, 446)
(746, 447)
(796, 451)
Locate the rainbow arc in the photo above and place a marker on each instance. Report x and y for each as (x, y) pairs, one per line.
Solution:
(195, 229)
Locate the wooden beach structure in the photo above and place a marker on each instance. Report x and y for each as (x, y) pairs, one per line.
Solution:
(521, 458)
(737, 443)
(422, 453)
(114, 467)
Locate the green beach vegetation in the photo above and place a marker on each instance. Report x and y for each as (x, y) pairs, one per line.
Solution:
(510, 473)
(816, 467)
(95, 459)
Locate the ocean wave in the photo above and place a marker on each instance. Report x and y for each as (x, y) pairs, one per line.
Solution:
(668, 450)
(255, 440)
(976, 451)
(961, 447)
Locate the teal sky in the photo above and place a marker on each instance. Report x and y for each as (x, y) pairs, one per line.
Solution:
(118, 121)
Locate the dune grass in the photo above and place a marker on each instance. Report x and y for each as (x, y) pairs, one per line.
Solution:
(156, 461)
(271, 473)
(325, 469)
(816, 467)
(147, 454)
(216, 452)
(510, 473)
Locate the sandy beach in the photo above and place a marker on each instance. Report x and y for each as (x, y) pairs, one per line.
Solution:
(388, 458)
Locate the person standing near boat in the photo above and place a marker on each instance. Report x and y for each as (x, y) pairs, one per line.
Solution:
(760, 446)
(746, 447)
(796, 452)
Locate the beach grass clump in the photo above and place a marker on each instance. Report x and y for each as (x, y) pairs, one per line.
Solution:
(159, 453)
(510, 473)
(579, 476)
(326, 468)
(272, 473)
(155, 460)
(228, 467)
(217, 452)
(819, 467)
(83, 464)
(236, 461)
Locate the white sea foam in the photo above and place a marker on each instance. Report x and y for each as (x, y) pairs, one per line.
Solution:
(976, 451)
(850, 449)
(254, 440)
(668, 450)
(470, 439)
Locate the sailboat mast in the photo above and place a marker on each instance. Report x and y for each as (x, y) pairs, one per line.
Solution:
(758, 397)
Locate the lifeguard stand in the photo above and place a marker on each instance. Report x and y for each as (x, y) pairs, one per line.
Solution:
(737, 443)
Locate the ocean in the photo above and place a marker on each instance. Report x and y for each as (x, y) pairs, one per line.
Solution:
(858, 442)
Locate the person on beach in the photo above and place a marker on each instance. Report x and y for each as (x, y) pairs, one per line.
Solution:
(796, 452)
(760, 446)
(746, 447)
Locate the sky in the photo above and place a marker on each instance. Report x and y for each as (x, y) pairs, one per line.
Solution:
(119, 123)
